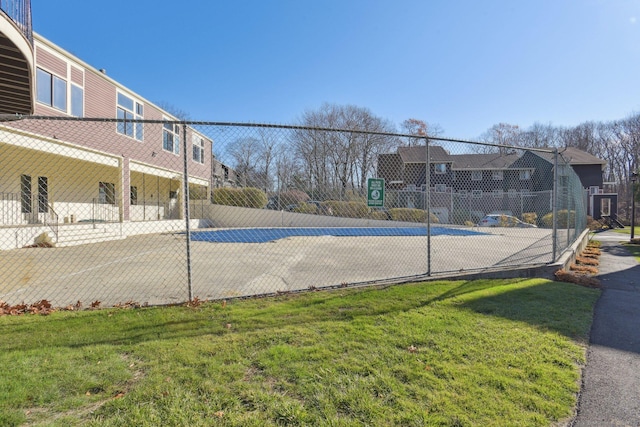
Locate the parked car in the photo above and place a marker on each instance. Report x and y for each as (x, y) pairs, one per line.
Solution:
(500, 220)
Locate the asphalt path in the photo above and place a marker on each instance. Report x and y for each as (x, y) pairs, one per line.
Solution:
(610, 394)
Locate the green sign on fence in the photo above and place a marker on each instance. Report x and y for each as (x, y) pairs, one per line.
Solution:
(375, 192)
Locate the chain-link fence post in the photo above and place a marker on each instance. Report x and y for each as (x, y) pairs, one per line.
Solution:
(554, 207)
(187, 212)
(427, 200)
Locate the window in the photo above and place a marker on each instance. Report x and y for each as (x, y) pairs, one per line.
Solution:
(51, 90)
(440, 168)
(198, 149)
(128, 109)
(513, 193)
(476, 175)
(594, 189)
(77, 101)
(133, 195)
(25, 193)
(605, 207)
(441, 188)
(525, 175)
(171, 137)
(463, 194)
(497, 175)
(497, 194)
(476, 194)
(107, 193)
(43, 194)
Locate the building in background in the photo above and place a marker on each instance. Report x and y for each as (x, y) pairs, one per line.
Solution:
(57, 172)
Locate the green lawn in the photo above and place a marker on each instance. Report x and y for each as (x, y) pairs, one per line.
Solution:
(627, 230)
(463, 353)
(634, 249)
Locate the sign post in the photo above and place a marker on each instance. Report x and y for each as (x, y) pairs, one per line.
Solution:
(375, 192)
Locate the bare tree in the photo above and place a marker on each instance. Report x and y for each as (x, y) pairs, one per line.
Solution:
(178, 113)
(420, 129)
(244, 152)
(500, 134)
(338, 161)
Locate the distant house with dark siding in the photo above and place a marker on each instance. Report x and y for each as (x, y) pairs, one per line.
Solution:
(481, 183)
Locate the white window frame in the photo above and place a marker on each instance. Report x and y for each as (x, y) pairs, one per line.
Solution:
(476, 194)
(440, 168)
(55, 92)
(198, 149)
(525, 175)
(476, 175)
(497, 175)
(440, 188)
(171, 137)
(594, 189)
(133, 112)
(497, 193)
(463, 194)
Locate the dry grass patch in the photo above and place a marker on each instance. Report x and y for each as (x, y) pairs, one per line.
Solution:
(579, 279)
(586, 261)
(583, 269)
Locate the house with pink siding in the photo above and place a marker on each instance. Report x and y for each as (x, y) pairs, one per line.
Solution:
(60, 176)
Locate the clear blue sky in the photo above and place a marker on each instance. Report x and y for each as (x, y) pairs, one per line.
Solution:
(463, 64)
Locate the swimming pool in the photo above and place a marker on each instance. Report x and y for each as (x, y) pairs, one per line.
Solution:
(263, 235)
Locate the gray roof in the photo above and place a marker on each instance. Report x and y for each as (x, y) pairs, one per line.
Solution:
(489, 161)
(418, 154)
(574, 156)
(483, 161)
(579, 157)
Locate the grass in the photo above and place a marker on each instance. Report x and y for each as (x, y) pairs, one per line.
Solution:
(440, 353)
(634, 249)
(627, 230)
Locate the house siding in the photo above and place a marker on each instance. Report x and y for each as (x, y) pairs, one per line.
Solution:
(50, 62)
(77, 76)
(590, 175)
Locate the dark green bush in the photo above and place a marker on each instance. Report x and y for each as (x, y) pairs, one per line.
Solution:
(243, 197)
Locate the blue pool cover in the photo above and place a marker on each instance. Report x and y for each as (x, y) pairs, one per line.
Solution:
(262, 235)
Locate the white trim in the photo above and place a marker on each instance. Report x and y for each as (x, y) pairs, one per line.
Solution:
(53, 146)
(164, 173)
(49, 46)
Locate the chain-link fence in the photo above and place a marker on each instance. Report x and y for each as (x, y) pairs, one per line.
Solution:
(113, 211)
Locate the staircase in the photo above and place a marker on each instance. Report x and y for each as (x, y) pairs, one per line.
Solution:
(81, 234)
(612, 221)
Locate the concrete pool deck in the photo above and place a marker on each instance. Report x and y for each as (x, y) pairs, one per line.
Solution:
(152, 268)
